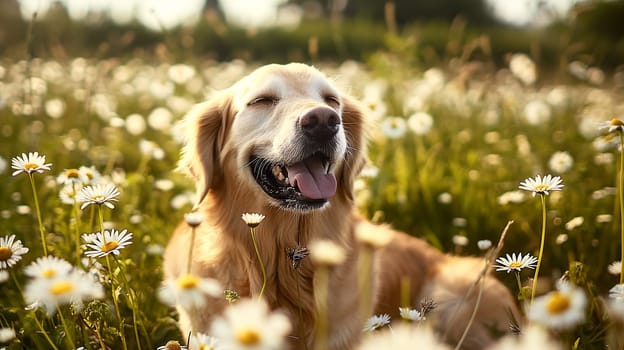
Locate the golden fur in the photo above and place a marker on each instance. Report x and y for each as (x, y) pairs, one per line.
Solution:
(260, 116)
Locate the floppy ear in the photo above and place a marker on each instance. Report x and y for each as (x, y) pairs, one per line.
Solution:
(354, 123)
(206, 128)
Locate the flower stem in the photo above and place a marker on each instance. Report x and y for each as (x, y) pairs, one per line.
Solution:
(44, 332)
(112, 279)
(321, 289)
(365, 266)
(38, 212)
(519, 281)
(189, 261)
(116, 304)
(541, 249)
(64, 323)
(77, 224)
(255, 244)
(132, 298)
(620, 186)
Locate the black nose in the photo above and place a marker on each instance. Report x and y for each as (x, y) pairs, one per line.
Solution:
(320, 124)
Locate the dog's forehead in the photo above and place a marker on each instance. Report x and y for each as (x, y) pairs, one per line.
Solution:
(284, 80)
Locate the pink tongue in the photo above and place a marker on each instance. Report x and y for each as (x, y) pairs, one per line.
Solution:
(310, 176)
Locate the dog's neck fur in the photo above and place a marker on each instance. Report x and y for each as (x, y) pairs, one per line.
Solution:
(288, 289)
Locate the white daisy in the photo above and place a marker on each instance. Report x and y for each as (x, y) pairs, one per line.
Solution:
(523, 68)
(404, 337)
(201, 341)
(89, 175)
(326, 252)
(484, 244)
(252, 219)
(374, 238)
(111, 242)
(532, 337)
(189, 291)
(181, 73)
(574, 223)
(537, 112)
(617, 292)
(613, 125)
(48, 267)
(561, 309)
(411, 314)
(615, 268)
(29, 163)
(376, 322)
(194, 219)
(393, 127)
(560, 162)
(511, 197)
(539, 185)
(68, 194)
(420, 123)
(101, 194)
(71, 288)
(6, 334)
(515, 262)
(69, 177)
(11, 251)
(249, 324)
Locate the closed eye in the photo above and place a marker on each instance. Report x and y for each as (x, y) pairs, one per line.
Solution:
(332, 101)
(264, 100)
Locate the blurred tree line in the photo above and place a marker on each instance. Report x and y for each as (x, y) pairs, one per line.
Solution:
(330, 30)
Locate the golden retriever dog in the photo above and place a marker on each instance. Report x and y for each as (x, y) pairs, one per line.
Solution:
(284, 142)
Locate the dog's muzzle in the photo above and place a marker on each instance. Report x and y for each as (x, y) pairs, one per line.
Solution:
(306, 183)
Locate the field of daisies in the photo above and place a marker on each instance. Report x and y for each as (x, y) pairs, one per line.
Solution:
(460, 155)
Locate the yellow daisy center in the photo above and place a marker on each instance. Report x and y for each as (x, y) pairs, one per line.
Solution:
(541, 187)
(558, 303)
(110, 245)
(48, 273)
(31, 166)
(61, 287)
(98, 198)
(248, 336)
(72, 173)
(188, 281)
(515, 264)
(5, 253)
(617, 122)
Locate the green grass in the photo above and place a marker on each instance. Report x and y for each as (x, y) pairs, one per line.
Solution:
(466, 156)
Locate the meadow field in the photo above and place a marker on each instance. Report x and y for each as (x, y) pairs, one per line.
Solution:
(450, 146)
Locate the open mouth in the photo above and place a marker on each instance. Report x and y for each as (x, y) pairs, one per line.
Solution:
(304, 185)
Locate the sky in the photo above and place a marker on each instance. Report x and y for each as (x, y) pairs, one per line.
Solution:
(169, 13)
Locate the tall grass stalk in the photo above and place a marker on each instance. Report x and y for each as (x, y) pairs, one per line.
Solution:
(480, 282)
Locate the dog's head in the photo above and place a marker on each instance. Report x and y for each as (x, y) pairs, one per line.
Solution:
(293, 137)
